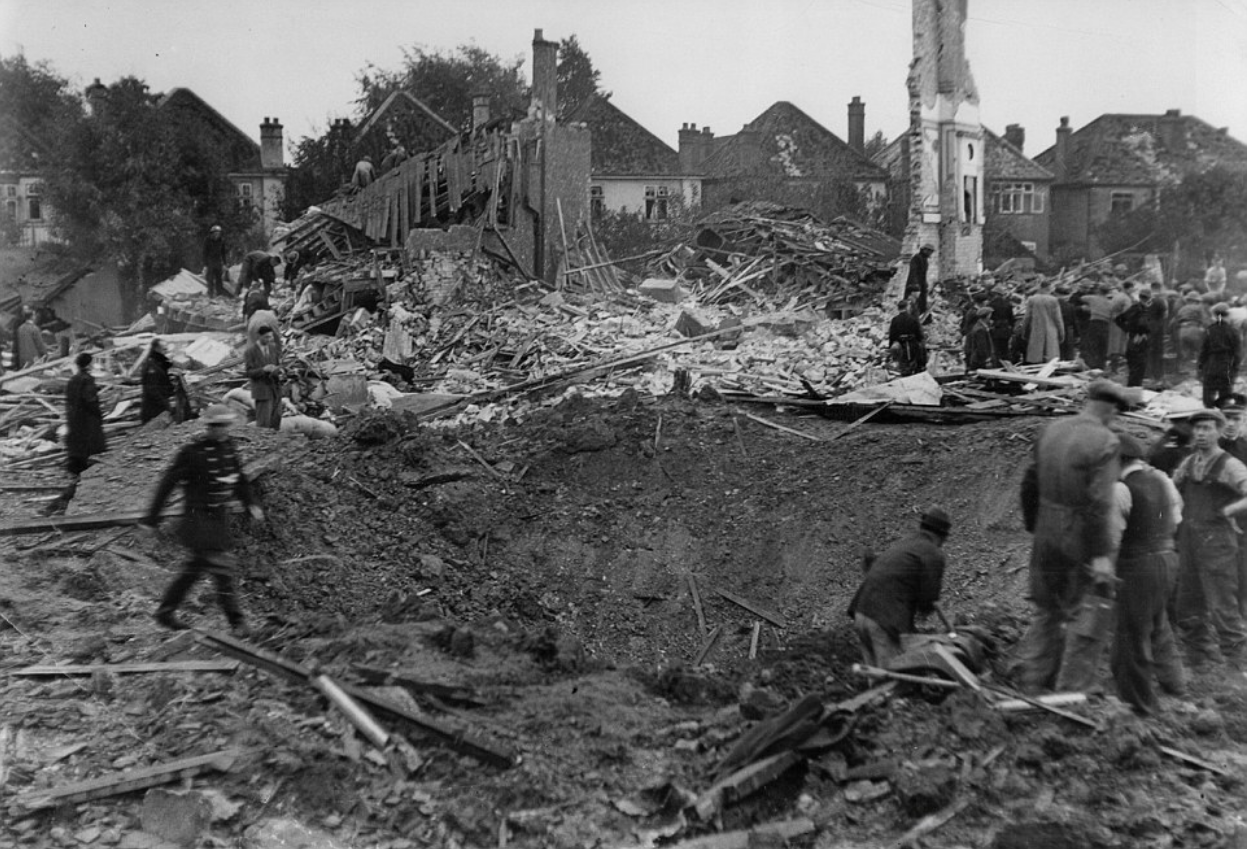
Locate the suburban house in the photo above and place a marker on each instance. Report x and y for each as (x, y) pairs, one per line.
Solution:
(631, 169)
(1017, 209)
(1118, 163)
(258, 171)
(24, 207)
(787, 157)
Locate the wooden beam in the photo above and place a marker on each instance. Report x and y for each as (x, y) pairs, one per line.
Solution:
(741, 783)
(770, 616)
(128, 781)
(771, 424)
(708, 645)
(1193, 761)
(127, 668)
(701, 614)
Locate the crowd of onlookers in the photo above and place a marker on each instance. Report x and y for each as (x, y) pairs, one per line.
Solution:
(1154, 333)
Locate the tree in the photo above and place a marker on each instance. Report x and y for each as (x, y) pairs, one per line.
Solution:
(446, 81)
(1203, 214)
(577, 79)
(133, 184)
(35, 105)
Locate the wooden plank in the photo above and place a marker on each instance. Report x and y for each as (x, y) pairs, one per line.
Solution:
(956, 667)
(876, 672)
(744, 781)
(771, 424)
(862, 419)
(1057, 699)
(861, 700)
(928, 824)
(1073, 717)
(753, 639)
(129, 780)
(769, 615)
(128, 668)
(701, 614)
(708, 645)
(995, 374)
(1193, 761)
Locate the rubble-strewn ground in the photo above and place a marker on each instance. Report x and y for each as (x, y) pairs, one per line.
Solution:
(558, 598)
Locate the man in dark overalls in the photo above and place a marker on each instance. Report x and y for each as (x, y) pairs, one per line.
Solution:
(1213, 485)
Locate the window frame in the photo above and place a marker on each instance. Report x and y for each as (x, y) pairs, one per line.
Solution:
(657, 203)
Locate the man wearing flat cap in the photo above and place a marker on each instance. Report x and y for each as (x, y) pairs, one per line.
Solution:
(1076, 465)
(212, 480)
(904, 581)
(1213, 485)
(1144, 648)
(1219, 357)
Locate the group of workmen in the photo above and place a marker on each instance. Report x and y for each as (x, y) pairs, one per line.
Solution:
(1136, 551)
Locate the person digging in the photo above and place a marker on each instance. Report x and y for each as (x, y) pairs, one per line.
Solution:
(211, 475)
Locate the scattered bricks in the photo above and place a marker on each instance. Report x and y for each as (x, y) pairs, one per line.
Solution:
(923, 791)
(179, 818)
(686, 325)
(663, 291)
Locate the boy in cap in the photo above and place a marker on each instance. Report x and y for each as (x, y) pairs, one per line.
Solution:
(1147, 566)
(903, 581)
(212, 479)
(1219, 357)
(1213, 486)
(1076, 466)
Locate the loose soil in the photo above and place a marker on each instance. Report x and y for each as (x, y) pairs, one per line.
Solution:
(557, 593)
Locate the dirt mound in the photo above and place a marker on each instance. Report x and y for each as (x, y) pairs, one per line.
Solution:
(536, 583)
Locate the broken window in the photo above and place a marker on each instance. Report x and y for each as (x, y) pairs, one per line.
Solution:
(597, 202)
(970, 199)
(656, 198)
(244, 196)
(1121, 202)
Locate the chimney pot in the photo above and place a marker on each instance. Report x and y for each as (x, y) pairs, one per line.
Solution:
(1015, 134)
(705, 131)
(1173, 113)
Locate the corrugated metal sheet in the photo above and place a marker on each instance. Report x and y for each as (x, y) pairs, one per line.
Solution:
(182, 283)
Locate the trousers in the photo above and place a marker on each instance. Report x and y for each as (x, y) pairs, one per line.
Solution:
(220, 567)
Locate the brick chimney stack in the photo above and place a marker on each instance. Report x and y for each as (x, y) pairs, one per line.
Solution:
(857, 124)
(545, 94)
(1061, 156)
(480, 110)
(1015, 134)
(694, 148)
(272, 153)
(1172, 130)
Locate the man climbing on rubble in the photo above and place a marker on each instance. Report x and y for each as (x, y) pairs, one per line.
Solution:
(262, 362)
(212, 479)
(905, 341)
(902, 582)
(916, 282)
(1149, 510)
(1213, 485)
(215, 260)
(1076, 465)
(1219, 358)
(261, 266)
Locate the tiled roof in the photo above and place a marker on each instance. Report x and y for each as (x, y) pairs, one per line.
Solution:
(1006, 162)
(242, 150)
(789, 144)
(1117, 149)
(620, 146)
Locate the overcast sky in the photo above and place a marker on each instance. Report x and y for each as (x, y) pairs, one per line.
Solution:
(712, 62)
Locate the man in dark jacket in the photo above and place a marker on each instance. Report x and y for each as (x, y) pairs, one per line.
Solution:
(916, 282)
(157, 385)
(84, 421)
(904, 581)
(1219, 357)
(212, 479)
(980, 352)
(1156, 314)
(215, 261)
(1133, 323)
(258, 265)
(1076, 466)
(905, 341)
(262, 361)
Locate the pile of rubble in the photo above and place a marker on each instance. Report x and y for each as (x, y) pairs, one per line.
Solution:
(759, 252)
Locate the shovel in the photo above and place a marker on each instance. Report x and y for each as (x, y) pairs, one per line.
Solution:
(952, 634)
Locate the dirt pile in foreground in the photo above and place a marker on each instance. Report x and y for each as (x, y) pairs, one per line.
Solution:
(553, 598)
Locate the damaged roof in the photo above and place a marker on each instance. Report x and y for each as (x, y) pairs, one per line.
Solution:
(1006, 162)
(621, 147)
(789, 144)
(1120, 149)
